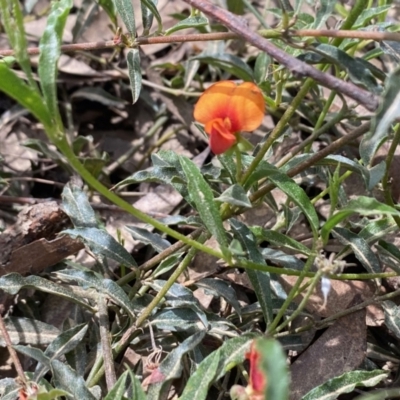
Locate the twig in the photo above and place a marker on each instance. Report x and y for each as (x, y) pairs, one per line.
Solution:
(314, 159)
(297, 67)
(202, 37)
(13, 353)
(105, 343)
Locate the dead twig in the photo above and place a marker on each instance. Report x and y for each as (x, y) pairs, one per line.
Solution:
(295, 66)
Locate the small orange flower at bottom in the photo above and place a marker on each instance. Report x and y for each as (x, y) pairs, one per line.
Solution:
(257, 381)
(226, 109)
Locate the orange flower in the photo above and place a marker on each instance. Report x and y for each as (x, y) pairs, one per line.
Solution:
(225, 109)
(257, 381)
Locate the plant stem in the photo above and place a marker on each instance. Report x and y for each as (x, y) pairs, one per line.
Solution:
(279, 128)
(105, 343)
(293, 293)
(13, 353)
(64, 147)
(163, 291)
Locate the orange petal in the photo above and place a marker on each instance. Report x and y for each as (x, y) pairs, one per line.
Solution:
(213, 103)
(221, 139)
(242, 104)
(246, 107)
(257, 378)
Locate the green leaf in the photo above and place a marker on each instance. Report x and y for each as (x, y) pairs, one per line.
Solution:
(29, 331)
(98, 94)
(151, 5)
(63, 344)
(324, 11)
(102, 243)
(392, 317)
(118, 390)
(369, 13)
(84, 18)
(149, 238)
(135, 73)
(358, 69)
(166, 264)
(147, 18)
(360, 247)
(171, 366)
(282, 259)
(231, 353)
(177, 320)
(49, 53)
(236, 196)
(25, 95)
(362, 205)
(288, 186)
(387, 113)
(125, 10)
(76, 205)
(260, 280)
(263, 63)
(109, 7)
(197, 387)
(220, 288)
(279, 239)
(137, 391)
(34, 353)
(229, 63)
(203, 198)
(273, 364)
(89, 279)
(67, 379)
(194, 21)
(13, 283)
(13, 22)
(345, 383)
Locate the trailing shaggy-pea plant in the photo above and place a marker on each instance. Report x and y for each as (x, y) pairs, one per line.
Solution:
(304, 78)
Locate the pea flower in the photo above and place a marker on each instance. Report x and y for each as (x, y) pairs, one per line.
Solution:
(257, 381)
(226, 109)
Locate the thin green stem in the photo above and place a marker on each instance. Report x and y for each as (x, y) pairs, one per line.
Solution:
(238, 163)
(303, 302)
(348, 23)
(293, 293)
(95, 184)
(163, 291)
(279, 128)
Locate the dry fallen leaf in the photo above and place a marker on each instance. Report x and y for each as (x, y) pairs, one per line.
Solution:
(341, 348)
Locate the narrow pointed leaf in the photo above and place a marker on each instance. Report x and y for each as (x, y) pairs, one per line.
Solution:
(67, 379)
(196, 21)
(360, 247)
(345, 383)
(203, 198)
(273, 364)
(387, 113)
(29, 331)
(63, 344)
(362, 205)
(89, 279)
(135, 73)
(260, 280)
(102, 243)
(13, 283)
(171, 367)
(25, 95)
(77, 207)
(125, 10)
(236, 196)
(49, 54)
